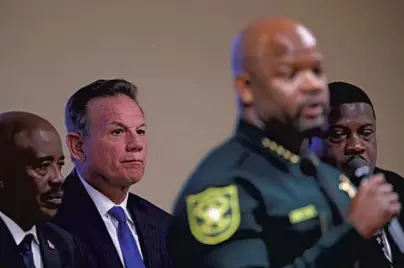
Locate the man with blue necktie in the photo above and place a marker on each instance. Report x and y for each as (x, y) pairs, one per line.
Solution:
(108, 145)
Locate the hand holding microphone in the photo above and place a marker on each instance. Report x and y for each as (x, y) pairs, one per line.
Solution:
(375, 204)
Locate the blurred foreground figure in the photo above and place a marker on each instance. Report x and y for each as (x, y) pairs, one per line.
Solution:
(262, 199)
(31, 157)
(351, 136)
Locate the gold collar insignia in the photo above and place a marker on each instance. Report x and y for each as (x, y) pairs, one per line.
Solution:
(346, 185)
(280, 150)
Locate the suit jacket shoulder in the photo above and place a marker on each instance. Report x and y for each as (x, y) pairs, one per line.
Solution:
(155, 215)
(389, 174)
(151, 208)
(9, 254)
(396, 180)
(70, 249)
(57, 234)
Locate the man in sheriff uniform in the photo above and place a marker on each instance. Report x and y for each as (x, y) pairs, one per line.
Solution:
(258, 200)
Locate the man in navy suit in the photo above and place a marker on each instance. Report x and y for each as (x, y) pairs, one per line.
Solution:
(108, 145)
(351, 135)
(31, 157)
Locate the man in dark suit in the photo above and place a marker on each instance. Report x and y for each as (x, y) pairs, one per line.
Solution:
(31, 158)
(352, 135)
(108, 145)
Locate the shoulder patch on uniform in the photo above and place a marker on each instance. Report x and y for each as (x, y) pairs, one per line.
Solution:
(214, 214)
(346, 186)
(302, 214)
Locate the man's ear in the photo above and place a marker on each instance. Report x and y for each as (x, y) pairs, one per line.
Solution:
(75, 144)
(243, 88)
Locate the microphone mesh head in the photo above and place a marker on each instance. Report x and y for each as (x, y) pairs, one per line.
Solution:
(362, 171)
(357, 167)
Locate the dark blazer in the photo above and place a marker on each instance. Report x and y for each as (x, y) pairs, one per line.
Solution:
(65, 254)
(79, 216)
(398, 185)
(373, 256)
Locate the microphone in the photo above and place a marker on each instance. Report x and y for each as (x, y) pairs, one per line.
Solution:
(360, 171)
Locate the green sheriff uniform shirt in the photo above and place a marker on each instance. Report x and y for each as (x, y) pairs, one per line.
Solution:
(249, 204)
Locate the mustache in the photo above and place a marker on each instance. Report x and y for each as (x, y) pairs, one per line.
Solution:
(53, 194)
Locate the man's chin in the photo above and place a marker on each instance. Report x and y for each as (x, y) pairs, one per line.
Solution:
(47, 214)
(42, 215)
(134, 180)
(130, 180)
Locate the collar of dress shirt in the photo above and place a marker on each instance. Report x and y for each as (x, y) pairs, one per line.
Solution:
(103, 203)
(16, 231)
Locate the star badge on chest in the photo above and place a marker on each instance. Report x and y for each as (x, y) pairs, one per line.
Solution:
(214, 214)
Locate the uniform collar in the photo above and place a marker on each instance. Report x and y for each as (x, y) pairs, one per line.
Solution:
(266, 142)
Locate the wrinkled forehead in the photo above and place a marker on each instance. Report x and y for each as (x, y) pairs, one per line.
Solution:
(116, 108)
(358, 112)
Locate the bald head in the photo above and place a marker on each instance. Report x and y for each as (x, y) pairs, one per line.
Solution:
(278, 75)
(268, 37)
(15, 123)
(23, 119)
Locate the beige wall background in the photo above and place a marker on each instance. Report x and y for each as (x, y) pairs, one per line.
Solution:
(177, 53)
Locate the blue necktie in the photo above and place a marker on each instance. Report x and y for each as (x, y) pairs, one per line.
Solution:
(130, 251)
(26, 251)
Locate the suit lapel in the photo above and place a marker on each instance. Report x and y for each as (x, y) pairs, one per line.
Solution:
(9, 253)
(92, 227)
(148, 236)
(50, 256)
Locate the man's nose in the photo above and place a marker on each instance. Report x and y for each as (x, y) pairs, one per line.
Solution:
(134, 143)
(57, 177)
(354, 146)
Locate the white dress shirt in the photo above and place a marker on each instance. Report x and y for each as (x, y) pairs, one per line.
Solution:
(19, 234)
(104, 204)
